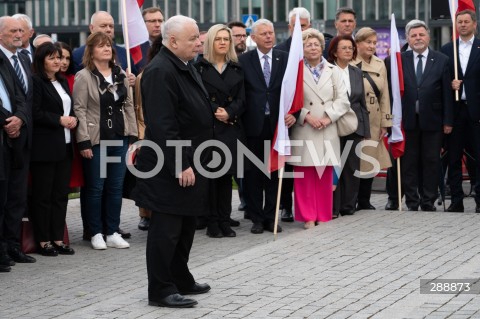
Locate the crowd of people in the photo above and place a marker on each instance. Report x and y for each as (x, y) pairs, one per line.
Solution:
(64, 112)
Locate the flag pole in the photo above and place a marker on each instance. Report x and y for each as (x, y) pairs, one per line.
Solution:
(454, 36)
(277, 206)
(399, 185)
(127, 42)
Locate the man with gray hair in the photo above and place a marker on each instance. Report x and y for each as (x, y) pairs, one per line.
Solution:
(427, 114)
(264, 69)
(176, 108)
(28, 32)
(304, 23)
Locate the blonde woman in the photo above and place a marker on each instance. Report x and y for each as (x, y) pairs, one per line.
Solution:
(377, 98)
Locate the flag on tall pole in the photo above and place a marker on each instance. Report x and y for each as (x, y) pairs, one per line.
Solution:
(396, 139)
(291, 98)
(134, 29)
(460, 5)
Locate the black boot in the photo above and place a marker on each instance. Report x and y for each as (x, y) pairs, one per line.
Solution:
(214, 231)
(226, 230)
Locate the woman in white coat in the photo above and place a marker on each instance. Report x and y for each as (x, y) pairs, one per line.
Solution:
(325, 101)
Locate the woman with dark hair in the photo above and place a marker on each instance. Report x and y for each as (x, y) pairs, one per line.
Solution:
(342, 52)
(105, 112)
(66, 65)
(52, 151)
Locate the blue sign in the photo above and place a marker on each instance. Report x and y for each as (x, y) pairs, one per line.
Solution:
(248, 20)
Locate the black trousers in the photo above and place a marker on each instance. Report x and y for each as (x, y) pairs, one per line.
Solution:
(256, 182)
(169, 241)
(421, 158)
(465, 131)
(286, 201)
(220, 199)
(346, 194)
(50, 188)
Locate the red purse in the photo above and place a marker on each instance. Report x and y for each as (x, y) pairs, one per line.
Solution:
(28, 243)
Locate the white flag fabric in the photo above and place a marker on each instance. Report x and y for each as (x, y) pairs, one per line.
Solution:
(395, 73)
(137, 30)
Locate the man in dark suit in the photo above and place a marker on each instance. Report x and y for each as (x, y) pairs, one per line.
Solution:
(153, 18)
(427, 114)
(28, 32)
(466, 127)
(14, 120)
(345, 24)
(183, 114)
(264, 69)
(287, 186)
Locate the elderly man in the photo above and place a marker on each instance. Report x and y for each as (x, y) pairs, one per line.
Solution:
(28, 32)
(304, 23)
(178, 119)
(264, 69)
(14, 119)
(102, 21)
(427, 113)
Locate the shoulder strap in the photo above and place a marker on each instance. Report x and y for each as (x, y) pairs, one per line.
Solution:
(372, 83)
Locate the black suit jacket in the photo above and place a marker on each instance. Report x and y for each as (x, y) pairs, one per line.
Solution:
(471, 78)
(48, 135)
(258, 93)
(285, 45)
(434, 93)
(357, 101)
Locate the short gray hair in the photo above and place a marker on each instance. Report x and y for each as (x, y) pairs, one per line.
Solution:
(260, 22)
(94, 16)
(302, 12)
(413, 24)
(174, 25)
(24, 18)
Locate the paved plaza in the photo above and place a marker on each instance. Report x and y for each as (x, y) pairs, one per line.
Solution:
(364, 266)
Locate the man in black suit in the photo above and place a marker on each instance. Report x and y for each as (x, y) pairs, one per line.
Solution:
(183, 114)
(15, 119)
(264, 69)
(427, 114)
(28, 32)
(287, 186)
(153, 18)
(466, 127)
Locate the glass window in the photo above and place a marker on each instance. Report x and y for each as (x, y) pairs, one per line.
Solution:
(383, 10)
(369, 9)
(410, 9)
(318, 12)
(207, 11)
(220, 11)
(243, 6)
(196, 10)
(172, 8)
(357, 6)
(103, 5)
(397, 9)
(332, 9)
(184, 8)
(268, 9)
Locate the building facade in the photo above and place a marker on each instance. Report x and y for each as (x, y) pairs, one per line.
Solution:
(69, 19)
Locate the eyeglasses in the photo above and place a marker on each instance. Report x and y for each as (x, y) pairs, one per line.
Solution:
(240, 36)
(347, 48)
(313, 45)
(219, 39)
(154, 21)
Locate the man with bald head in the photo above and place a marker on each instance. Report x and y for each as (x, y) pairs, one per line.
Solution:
(176, 108)
(102, 21)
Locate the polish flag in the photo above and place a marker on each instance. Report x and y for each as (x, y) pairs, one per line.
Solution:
(291, 98)
(460, 5)
(397, 138)
(134, 27)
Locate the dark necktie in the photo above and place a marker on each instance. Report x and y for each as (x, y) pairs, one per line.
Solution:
(419, 71)
(266, 75)
(18, 71)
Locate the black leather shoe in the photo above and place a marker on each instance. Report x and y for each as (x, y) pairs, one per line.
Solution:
(227, 231)
(5, 268)
(213, 231)
(144, 223)
(234, 223)
(428, 208)
(257, 228)
(391, 205)
(196, 289)
(270, 226)
(6, 260)
(19, 257)
(456, 207)
(63, 249)
(246, 215)
(201, 223)
(347, 212)
(47, 250)
(477, 209)
(366, 206)
(335, 215)
(287, 215)
(173, 301)
(242, 206)
(124, 234)
(412, 209)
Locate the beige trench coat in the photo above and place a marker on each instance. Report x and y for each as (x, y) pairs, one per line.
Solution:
(319, 99)
(378, 109)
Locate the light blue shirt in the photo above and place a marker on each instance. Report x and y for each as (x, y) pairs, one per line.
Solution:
(4, 96)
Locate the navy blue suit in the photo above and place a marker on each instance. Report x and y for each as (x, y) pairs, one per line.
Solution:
(466, 127)
(424, 130)
(260, 127)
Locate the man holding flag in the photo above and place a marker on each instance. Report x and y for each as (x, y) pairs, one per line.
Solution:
(466, 110)
(264, 70)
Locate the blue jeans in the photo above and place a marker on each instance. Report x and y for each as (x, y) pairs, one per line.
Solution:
(112, 183)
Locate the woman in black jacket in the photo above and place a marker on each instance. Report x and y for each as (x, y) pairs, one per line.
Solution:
(52, 151)
(223, 78)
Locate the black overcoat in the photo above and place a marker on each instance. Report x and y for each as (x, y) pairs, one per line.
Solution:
(176, 108)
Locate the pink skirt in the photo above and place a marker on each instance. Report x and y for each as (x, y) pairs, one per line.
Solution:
(313, 193)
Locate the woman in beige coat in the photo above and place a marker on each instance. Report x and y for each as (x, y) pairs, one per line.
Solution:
(378, 104)
(325, 101)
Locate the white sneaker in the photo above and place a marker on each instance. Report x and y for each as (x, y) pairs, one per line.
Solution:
(116, 241)
(98, 242)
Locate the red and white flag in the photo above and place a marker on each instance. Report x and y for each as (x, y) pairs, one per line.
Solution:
(460, 5)
(134, 30)
(291, 98)
(397, 138)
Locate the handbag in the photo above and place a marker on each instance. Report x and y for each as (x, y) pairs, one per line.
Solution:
(28, 243)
